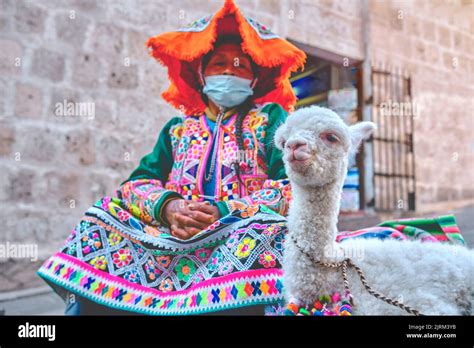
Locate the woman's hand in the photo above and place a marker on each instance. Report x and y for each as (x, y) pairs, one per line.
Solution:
(206, 208)
(188, 218)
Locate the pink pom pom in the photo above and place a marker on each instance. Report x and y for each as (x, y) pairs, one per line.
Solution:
(336, 297)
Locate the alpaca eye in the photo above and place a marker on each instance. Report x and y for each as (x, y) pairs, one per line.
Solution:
(283, 143)
(330, 138)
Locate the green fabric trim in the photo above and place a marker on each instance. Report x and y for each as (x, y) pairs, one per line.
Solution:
(223, 208)
(267, 210)
(430, 225)
(449, 220)
(273, 156)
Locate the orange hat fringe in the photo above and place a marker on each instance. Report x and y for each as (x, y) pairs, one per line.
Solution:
(180, 52)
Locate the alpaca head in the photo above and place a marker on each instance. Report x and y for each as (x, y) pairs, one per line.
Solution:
(316, 142)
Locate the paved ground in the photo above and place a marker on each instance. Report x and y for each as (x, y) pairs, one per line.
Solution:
(42, 301)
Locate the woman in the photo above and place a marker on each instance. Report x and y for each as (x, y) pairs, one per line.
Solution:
(227, 89)
(199, 226)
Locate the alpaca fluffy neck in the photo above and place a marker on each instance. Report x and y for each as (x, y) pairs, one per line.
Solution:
(313, 217)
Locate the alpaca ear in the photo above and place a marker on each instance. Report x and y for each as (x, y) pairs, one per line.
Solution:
(361, 131)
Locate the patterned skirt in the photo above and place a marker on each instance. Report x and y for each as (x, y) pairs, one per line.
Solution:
(114, 259)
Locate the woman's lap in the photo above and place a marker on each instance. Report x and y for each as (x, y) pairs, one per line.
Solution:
(114, 259)
(116, 264)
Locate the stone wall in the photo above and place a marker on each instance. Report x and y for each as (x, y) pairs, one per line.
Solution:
(52, 168)
(434, 42)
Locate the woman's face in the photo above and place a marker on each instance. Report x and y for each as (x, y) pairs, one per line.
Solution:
(228, 59)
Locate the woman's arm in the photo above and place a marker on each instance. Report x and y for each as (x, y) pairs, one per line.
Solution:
(143, 193)
(276, 192)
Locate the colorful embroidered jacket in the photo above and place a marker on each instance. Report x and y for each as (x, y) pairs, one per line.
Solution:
(176, 166)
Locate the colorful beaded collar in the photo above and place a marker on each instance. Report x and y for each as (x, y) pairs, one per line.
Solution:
(326, 305)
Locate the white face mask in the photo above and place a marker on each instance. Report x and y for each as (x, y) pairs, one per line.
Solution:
(227, 90)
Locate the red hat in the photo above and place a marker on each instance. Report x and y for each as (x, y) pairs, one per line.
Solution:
(181, 52)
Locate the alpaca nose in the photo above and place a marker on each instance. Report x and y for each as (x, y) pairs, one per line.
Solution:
(296, 145)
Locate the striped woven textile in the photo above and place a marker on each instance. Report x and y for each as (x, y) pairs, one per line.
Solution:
(441, 228)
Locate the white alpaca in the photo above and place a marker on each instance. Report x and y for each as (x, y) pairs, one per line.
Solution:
(433, 278)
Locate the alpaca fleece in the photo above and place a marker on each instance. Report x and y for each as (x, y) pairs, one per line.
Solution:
(433, 278)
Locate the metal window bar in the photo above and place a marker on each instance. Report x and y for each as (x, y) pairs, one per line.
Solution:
(394, 160)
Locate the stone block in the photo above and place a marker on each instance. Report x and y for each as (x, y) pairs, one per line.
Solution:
(35, 144)
(107, 41)
(419, 50)
(271, 7)
(447, 194)
(16, 274)
(137, 50)
(459, 39)
(79, 144)
(28, 101)
(151, 14)
(89, 6)
(29, 18)
(71, 28)
(413, 26)
(123, 77)
(114, 152)
(346, 7)
(397, 19)
(155, 80)
(87, 70)
(11, 55)
(105, 114)
(7, 138)
(101, 185)
(48, 65)
(63, 188)
(428, 29)
(148, 116)
(21, 182)
(444, 36)
(4, 23)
